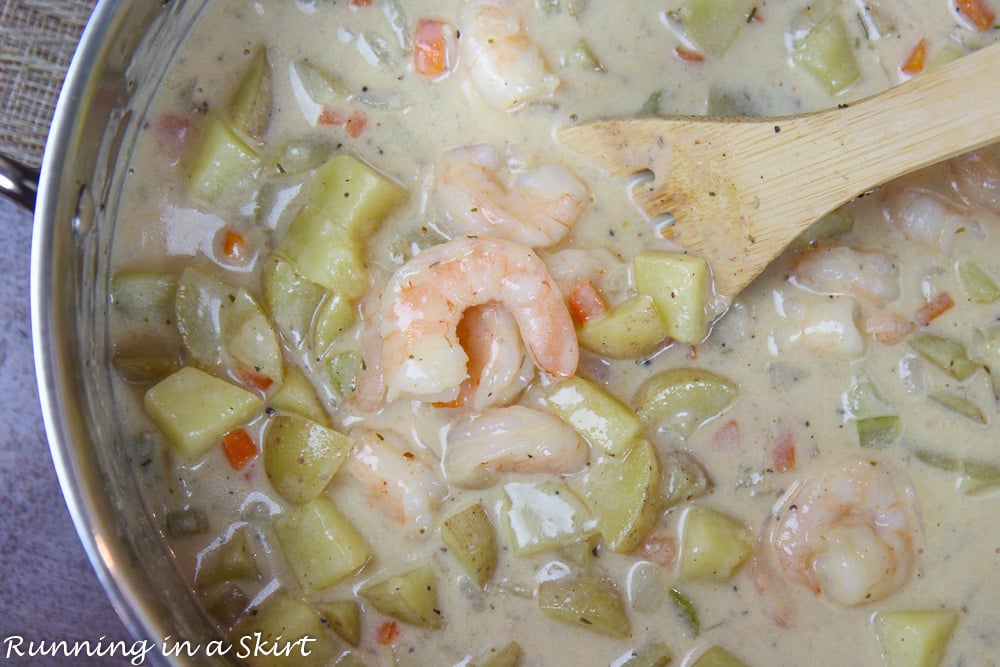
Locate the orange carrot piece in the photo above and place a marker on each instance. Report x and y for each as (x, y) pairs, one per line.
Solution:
(915, 62)
(386, 633)
(782, 450)
(430, 48)
(586, 302)
(688, 55)
(353, 123)
(239, 448)
(235, 245)
(933, 309)
(255, 380)
(360, 3)
(978, 13)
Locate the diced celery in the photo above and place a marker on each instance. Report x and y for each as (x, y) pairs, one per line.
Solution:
(623, 494)
(716, 656)
(194, 409)
(298, 396)
(588, 600)
(631, 329)
(319, 84)
(678, 284)
(979, 476)
(938, 460)
(864, 398)
(683, 478)
(949, 52)
(988, 352)
(511, 655)
(322, 251)
(301, 456)
(144, 295)
(291, 299)
(353, 196)
(228, 561)
(335, 316)
(471, 538)
(681, 399)
(914, 638)
(345, 369)
(291, 630)
(686, 609)
(581, 57)
(343, 617)
(250, 108)
(655, 654)
(947, 354)
(410, 597)
(321, 545)
(958, 404)
(145, 367)
(977, 283)
(713, 545)
(714, 24)
(251, 340)
(730, 103)
(823, 48)
(599, 417)
(877, 432)
(227, 604)
(836, 222)
(301, 155)
(222, 161)
(570, 7)
(545, 515)
(185, 522)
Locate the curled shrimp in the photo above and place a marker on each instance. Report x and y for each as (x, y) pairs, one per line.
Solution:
(929, 219)
(869, 275)
(538, 209)
(828, 328)
(422, 305)
(506, 68)
(398, 481)
(849, 535)
(977, 177)
(511, 439)
(499, 367)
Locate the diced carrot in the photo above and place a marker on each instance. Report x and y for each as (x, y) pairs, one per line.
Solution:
(888, 328)
(933, 309)
(235, 245)
(586, 302)
(360, 3)
(239, 448)
(978, 13)
(688, 55)
(781, 450)
(353, 123)
(430, 47)
(729, 437)
(172, 133)
(255, 380)
(914, 63)
(386, 633)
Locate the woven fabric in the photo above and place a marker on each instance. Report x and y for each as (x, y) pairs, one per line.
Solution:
(37, 40)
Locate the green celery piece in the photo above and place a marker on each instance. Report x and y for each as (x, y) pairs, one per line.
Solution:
(335, 316)
(581, 57)
(826, 50)
(716, 656)
(686, 609)
(977, 283)
(250, 109)
(877, 432)
(228, 561)
(714, 24)
(291, 299)
(958, 404)
(947, 354)
(144, 295)
(836, 222)
(654, 654)
(345, 369)
(185, 522)
(511, 655)
(587, 599)
(322, 86)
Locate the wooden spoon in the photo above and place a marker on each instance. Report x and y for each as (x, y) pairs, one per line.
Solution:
(741, 190)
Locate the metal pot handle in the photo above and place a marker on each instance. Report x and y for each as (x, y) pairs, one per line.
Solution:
(18, 182)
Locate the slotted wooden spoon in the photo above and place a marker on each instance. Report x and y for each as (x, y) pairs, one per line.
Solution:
(741, 190)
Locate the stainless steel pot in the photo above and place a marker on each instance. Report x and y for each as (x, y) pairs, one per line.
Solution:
(121, 58)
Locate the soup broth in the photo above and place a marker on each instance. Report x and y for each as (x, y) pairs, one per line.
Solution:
(411, 383)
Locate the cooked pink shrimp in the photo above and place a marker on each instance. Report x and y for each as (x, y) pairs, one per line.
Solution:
(537, 209)
(422, 357)
(506, 68)
(928, 218)
(511, 439)
(977, 177)
(370, 389)
(849, 535)
(499, 368)
(869, 275)
(399, 483)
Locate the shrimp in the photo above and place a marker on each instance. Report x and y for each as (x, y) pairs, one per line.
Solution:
(422, 357)
(499, 368)
(538, 209)
(370, 389)
(849, 535)
(869, 275)
(929, 219)
(505, 67)
(829, 327)
(397, 480)
(511, 439)
(977, 177)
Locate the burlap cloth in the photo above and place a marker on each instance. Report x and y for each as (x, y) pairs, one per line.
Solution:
(37, 40)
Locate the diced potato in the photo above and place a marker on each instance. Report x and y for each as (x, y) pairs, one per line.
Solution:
(683, 478)
(301, 456)
(144, 295)
(977, 283)
(291, 299)
(716, 656)
(914, 638)
(250, 109)
(681, 399)
(988, 352)
(231, 560)
(223, 160)
(410, 597)
(714, 24)
(510, 655)
(335, 316)
(298, 396)
(545, 515)
(631, 329)
(202, 306)
(290, 628)
(623, 494)
(826, 49)
(345, 368)
(227, 605)
(588, 600)
(145, 367)
(656, 654)
(344, 618)
(354, 196)
(194, 409)
(321, 545)
(322, 251)
(947, 354)
(185, 522)
(599, 417)
(251, 340)
(713, 545)
(470, 536)
(679, 285)
(836, 222)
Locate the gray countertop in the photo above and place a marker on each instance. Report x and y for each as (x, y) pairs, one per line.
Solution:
(48, 591)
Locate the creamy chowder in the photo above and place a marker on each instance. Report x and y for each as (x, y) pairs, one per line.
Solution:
(414, 384)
